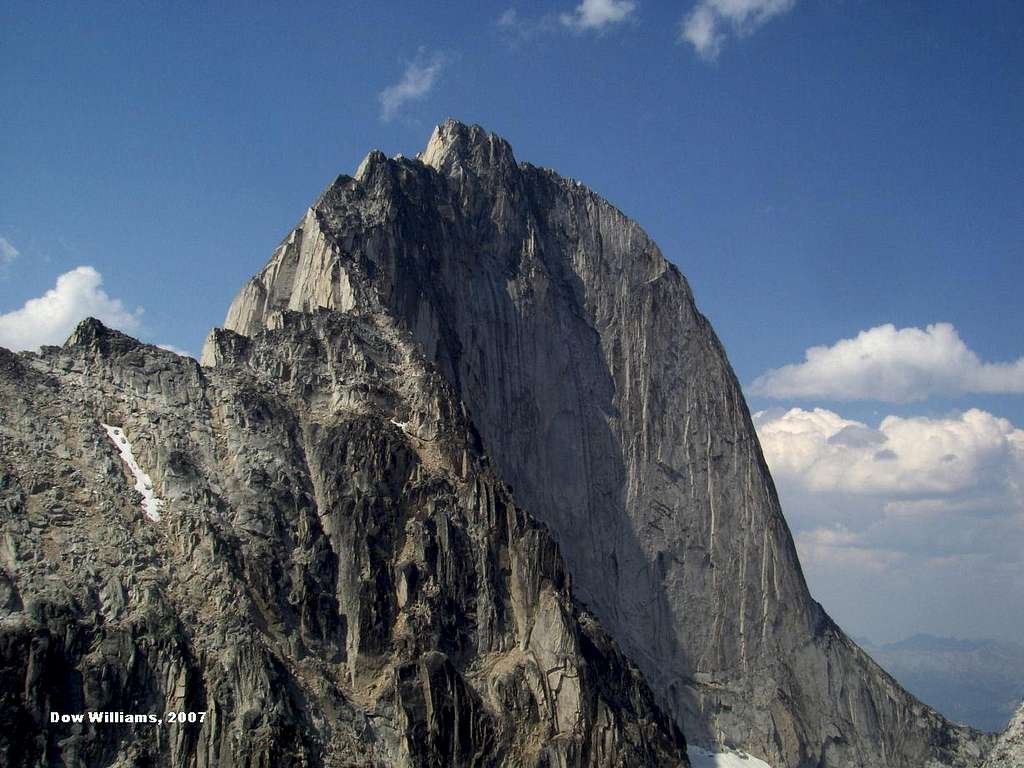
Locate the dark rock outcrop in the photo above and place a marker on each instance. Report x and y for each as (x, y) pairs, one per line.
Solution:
(338, 576)
(607, 403)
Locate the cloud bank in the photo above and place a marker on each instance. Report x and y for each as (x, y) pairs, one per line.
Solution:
(892, 365)
(417, 82)
(50, 318)
(927, 511)
(595, 15)
(821, 451)
(176, 350)
(710, 22)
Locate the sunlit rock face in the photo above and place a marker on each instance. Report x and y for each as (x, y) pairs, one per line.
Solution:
(336, 577)
(607, 403)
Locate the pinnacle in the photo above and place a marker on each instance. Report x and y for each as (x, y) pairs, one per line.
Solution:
(456, 145)
(86, 331)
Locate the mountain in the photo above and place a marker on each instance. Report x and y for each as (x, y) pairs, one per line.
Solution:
(608, 404)
(1009, 750)
(463, 453)
(327, 567)
(977, 682)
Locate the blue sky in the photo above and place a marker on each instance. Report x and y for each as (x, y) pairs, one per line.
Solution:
(817, 168)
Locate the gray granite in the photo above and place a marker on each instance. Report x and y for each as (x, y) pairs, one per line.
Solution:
(607, 403)
(338, 576)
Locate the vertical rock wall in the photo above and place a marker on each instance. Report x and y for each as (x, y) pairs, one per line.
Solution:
(608, 404)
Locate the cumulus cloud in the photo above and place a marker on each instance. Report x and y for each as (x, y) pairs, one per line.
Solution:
(8, 252)
(822, 451)
(892, 365)
(919, 509)
(50, 318)
(595, 15)
(417, 82)
(710, 22)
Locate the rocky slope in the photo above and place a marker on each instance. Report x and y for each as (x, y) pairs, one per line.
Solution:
(607, 403)
(1009, 749)
(337, 577)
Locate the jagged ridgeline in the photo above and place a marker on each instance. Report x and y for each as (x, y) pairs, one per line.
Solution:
(347, 566)
(337, 576)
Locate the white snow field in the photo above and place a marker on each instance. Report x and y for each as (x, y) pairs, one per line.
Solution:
(701, 758)
(143, 484)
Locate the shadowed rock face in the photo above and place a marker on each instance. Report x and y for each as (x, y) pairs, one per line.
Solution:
(607, 403)
(338, 577)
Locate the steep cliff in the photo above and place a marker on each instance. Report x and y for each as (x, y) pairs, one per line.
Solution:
(327, 566)
(1009, 749)
(607, 403)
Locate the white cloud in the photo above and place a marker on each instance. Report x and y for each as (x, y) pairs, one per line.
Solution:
(839, 547)
(708, 24)
(518, 29)
(597, 14)
(509, 18)
(893, 365)
(8, 252)
(822, 451)
(927, 511)
(50, 318)
(417, 81)
(176, 350)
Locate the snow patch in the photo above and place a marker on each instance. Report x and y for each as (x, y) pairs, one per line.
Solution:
(702, 758)
(143, 484)
(402, 425)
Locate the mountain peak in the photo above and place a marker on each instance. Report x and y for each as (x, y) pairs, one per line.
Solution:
(91, 333)
(455, 146)
(569, 340)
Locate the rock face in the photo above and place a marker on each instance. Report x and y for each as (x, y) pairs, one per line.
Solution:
(607, 403)
(338, 577)
(1009, 749)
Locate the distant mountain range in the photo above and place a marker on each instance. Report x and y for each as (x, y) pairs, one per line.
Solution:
(975, 682)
